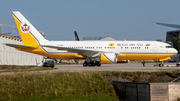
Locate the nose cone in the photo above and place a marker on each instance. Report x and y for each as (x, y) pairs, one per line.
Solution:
(174, 51)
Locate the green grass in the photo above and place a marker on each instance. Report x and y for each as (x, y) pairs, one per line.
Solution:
(135, 76)
(63, 86)
(84, 86)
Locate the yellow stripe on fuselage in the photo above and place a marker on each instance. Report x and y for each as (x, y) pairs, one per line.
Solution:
(143, 56)
(120, 57)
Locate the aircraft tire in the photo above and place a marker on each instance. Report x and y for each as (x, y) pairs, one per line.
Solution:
(160, 65)
(93, 64)
(98, 63)
(89, 64)
(85, 64)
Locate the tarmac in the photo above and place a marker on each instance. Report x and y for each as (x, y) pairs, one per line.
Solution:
(129, 67)
(124, 67)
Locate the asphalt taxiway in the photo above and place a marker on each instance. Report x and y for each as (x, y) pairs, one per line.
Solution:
(129, 67)
(124, 67)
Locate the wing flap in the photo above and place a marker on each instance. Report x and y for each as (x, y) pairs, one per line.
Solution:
(20, 46)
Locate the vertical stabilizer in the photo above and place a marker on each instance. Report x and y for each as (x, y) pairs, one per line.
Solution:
(76, 36)
(29, 35)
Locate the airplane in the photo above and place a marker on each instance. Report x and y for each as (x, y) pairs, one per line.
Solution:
(167, 25)
(108, 51)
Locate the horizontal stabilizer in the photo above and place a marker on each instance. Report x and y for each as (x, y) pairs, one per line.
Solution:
(20, 46)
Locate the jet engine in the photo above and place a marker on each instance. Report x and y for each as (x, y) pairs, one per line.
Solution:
(108, 58)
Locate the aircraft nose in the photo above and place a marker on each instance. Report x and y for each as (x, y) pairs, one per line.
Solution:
(174, 51)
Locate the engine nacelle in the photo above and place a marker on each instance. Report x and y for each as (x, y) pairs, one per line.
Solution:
(108, 58)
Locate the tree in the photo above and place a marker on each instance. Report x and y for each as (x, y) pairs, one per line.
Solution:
(176, 42)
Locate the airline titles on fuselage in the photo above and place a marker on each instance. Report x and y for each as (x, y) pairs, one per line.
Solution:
(138, 44)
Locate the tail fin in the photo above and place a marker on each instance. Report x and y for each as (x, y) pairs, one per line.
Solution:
(76, 36)
(29, 35)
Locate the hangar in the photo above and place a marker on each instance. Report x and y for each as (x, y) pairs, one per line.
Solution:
(12, 56)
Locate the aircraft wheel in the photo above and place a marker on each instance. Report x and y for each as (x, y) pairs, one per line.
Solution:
(98, 63)
(85, 64)
(93, 64)
(90, 64)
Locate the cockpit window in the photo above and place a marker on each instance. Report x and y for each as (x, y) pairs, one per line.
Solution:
(168, 46)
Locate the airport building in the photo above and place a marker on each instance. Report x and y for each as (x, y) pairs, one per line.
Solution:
(12, 56)
(171, 34)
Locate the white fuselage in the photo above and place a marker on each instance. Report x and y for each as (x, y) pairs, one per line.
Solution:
(115, 46)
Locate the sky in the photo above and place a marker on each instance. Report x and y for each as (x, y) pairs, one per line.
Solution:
(122, 19)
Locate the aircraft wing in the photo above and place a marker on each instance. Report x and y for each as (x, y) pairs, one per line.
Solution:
(88, 53)
(19, 46)
(167, 25)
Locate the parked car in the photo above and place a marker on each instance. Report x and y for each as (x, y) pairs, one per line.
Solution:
(48, 63)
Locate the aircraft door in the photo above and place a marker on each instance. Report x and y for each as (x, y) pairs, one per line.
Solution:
(155, 48)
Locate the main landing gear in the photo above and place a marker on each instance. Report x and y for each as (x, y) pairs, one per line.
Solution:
(92, 63)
